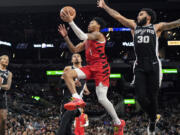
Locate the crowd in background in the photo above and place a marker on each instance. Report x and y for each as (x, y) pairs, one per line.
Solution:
(136, 124)
(28, 116)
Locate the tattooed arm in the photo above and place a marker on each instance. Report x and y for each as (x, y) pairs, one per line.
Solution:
(168, 26)
(163, 26)
(116, 15)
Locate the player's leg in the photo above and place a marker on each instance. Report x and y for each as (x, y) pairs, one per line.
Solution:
(101, 92)
(154, 82)
(65, 119)
(70, 75)
(82, 132)
(69, 129)
(82, 73)
(101, 77)
(76, 113)
(141, 90)
(66, 123)
(69, 79)
(76, 132)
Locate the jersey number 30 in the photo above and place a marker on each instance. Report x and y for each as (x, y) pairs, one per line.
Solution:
(143, 39)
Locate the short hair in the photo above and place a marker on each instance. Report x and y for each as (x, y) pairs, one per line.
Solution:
(3, 55)
(76, 53)
(101, 22)
(151, 13)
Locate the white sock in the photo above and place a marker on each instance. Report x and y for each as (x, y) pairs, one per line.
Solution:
(101, 92)
(110, 109)
(117, 122)
(76, 95)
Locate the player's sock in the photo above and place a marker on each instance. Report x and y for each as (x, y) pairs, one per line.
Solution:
(117, 122)
(110, 109)
(76, 95)
(101, 92)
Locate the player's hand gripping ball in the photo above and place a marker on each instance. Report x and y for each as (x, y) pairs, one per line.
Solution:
(67, 13)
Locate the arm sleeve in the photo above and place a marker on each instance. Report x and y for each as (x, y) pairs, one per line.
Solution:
(79, 33)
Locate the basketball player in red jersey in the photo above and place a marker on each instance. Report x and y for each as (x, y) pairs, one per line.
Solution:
(80, 123)
(97, 66)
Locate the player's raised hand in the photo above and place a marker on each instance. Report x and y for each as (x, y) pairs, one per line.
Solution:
(66, 17)
(62, 30)
(101, 3)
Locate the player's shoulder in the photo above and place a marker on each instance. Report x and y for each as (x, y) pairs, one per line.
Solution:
(67, 67)
(97, 33)
(100, 36)
(10, 74)
(158, 26)
(86, 116)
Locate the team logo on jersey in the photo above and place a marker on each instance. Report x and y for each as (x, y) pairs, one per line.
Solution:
(3, 75)
(142, 31)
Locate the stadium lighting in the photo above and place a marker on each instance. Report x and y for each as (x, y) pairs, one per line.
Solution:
(43, 45)
(36, 98)
(169, 71)
(60, 72)
(115, 75)
(115, 29)
(130, 101)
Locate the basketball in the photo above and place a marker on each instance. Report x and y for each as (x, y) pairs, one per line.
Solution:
(69, 9)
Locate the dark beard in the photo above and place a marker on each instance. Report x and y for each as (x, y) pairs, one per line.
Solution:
(142, 22)
(77, 62)
(3, 65)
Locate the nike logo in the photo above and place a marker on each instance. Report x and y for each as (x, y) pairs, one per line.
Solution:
(155, 62)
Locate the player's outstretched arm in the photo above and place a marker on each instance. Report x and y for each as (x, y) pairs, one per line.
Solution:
(167, 26)
(74, 49)
(116, 15)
